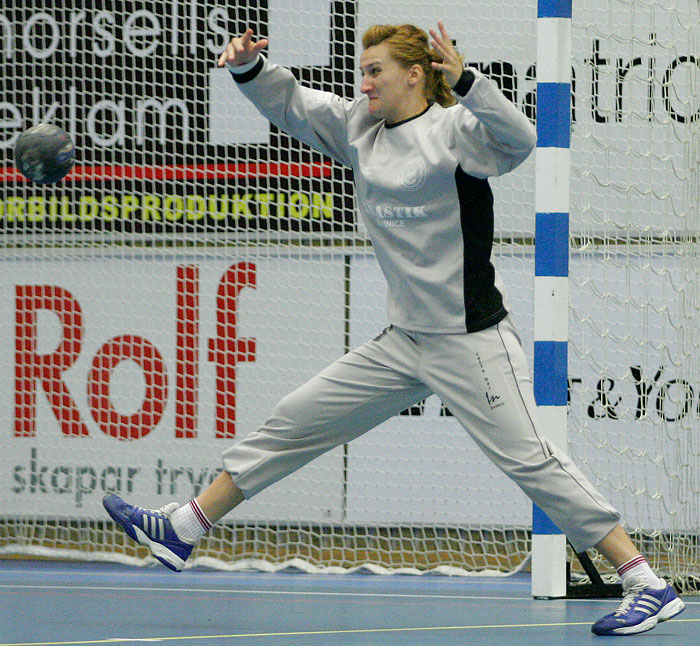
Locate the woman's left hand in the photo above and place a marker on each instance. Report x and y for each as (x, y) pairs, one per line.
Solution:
(451, 65)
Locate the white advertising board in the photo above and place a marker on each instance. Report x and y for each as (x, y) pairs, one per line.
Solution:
(111, 397)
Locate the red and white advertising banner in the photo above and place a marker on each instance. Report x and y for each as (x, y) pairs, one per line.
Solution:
(131, 374)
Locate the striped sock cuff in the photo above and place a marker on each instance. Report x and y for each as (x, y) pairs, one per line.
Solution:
(200, 515)
(632, 563)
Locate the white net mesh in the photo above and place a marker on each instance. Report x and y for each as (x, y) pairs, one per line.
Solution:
(199, 264)
(634, 289)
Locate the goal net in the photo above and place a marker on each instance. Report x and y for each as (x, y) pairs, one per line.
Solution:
(198, 264)
(635, 190)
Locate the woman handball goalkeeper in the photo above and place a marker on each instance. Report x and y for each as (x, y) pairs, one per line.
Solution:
(422, 141)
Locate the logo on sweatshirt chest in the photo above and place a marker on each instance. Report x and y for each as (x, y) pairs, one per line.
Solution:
(393, 217)
(394, 180)
(409, 175)
(412, 174)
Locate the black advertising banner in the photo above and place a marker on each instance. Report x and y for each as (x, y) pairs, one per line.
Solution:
(164, 141)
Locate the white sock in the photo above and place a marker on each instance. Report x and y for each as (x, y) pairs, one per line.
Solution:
(190, 523)
(638, 567)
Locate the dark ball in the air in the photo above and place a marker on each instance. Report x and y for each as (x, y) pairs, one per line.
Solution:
(44, 153)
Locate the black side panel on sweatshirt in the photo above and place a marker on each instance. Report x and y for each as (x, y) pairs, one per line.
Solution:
(483, 302)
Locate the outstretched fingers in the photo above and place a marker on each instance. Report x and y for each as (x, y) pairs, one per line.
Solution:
(442, 39)
(245, 38)
(261, 44)
(242, 50)
(443, 31)
(451, 65)
(443, 44)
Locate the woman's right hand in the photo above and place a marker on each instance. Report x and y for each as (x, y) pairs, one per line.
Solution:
(242, 50)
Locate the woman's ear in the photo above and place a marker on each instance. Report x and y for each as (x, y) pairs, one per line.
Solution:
(415, 74)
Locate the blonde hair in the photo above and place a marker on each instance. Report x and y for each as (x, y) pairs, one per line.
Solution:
(409, 46)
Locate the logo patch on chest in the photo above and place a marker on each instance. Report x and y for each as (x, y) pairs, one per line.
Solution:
(413, 173)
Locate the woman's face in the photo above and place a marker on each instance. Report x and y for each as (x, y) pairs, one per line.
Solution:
(388, 86)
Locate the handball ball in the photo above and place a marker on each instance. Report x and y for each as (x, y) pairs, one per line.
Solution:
(44, 154)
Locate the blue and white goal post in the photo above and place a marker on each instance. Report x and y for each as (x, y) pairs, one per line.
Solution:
(551, 331)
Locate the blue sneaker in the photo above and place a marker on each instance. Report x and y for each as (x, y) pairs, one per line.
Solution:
(152, 528)
(641, 609)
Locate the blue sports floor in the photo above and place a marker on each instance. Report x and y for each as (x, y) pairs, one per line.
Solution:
(64, 603)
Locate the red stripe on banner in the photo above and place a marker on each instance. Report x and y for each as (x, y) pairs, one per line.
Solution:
(188, 171)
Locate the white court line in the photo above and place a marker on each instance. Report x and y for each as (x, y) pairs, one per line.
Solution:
(390, 595)
(220, 638)
(64, 587)
(457, 580)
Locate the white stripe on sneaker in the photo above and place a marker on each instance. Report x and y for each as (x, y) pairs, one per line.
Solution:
(648, 602)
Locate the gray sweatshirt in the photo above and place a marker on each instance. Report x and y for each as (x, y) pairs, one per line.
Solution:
(421, 188)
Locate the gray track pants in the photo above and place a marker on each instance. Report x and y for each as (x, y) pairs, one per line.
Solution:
(481, 377)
